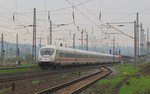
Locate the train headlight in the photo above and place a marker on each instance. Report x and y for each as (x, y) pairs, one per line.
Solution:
(52, 59)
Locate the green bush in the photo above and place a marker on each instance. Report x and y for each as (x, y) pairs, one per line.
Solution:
(37, 81)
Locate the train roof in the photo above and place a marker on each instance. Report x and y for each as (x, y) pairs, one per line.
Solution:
(77, 50)
(49, 46)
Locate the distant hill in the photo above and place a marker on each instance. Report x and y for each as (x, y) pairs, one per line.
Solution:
(10, 49)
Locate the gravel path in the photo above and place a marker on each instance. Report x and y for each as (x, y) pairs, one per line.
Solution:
(114, 71)
(27, 86)
(82, 83)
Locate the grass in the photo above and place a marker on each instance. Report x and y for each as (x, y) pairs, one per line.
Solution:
(108, 84)
(37, 81)
(4, 90)
(15, 65)
(126, 69)
(75, 74)
(71, 74)
(27, 65)
(136, 86)
(19, 70)
(110, 81)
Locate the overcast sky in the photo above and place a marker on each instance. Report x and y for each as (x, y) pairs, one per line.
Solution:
(86, 17)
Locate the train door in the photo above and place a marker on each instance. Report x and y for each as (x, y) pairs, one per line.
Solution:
(75, 57)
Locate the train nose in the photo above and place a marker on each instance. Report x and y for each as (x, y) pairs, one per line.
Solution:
(46, 58)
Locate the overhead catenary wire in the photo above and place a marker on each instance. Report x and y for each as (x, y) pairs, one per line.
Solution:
(13, 19)
(85, 16)
(98, 18)
(53, 10)
(120, 31)
(44, 27)
(91, 13)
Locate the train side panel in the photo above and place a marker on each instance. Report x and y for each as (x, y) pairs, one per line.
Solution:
(53, 56)
(82, 57)
(65, 57)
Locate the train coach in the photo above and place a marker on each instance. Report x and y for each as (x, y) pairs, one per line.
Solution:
(52, 56)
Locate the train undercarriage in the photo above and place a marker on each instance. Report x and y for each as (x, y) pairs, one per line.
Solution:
(52, 65)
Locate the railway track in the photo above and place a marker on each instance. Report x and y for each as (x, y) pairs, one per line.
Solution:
(27, 75)
(76, 86)
(18, 68)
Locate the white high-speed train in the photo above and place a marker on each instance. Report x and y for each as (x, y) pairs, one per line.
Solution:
(52, 56)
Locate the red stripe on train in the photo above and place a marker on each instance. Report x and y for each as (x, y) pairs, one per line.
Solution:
(84, 60)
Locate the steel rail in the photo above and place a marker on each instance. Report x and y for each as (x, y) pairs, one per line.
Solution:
(18, 68)
(42, 74)
(67, 84)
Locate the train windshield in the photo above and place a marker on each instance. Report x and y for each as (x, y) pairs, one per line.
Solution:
(46, 51)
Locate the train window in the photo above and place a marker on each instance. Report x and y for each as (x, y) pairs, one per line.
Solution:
(82, 56)
(46, 51)
(60, 54)
(67, 55)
